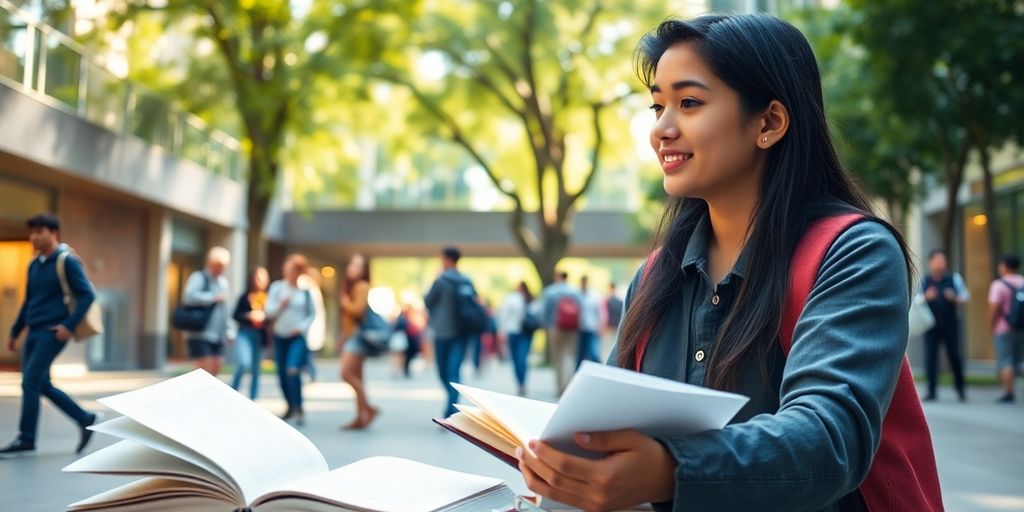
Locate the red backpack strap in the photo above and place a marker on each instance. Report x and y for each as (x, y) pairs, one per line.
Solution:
(804, 267)
(645, 339)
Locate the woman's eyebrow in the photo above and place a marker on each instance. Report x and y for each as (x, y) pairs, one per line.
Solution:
(682, 84)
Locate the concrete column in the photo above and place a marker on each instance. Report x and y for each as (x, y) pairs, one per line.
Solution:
(156, 321)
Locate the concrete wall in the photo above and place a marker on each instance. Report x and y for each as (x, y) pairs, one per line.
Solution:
(49, 137)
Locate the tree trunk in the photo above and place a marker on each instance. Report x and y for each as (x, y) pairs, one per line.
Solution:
(995, 241)
(256, 212)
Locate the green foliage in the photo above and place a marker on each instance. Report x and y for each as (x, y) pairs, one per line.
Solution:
(533, 92)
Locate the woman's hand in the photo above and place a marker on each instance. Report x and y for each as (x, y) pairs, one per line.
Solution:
(636, 469)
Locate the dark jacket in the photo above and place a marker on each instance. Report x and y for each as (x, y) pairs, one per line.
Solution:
(44, 299)
(443, 301)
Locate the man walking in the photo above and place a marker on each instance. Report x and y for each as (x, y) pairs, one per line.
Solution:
(50, 326)
(944, 291)
(450, 337)
(562, 320)
(1009, 339)
(209, 288)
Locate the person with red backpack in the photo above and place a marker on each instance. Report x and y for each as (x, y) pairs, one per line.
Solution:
(562, 307)
(1006, 311)
(772, 279)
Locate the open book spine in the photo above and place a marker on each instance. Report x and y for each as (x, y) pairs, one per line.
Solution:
(502, 456)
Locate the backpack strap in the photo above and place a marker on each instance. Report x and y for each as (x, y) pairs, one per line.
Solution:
(804, 267)
(645, 339)
(62, 276)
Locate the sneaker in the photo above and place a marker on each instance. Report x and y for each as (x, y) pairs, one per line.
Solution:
(17, 448)
(85, 435)
(1006, 399)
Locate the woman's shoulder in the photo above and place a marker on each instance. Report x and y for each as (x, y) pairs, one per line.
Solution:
(866, 248)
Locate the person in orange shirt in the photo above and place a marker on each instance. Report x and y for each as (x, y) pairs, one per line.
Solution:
(354, 293)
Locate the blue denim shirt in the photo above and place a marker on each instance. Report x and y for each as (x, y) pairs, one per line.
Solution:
(806, 440)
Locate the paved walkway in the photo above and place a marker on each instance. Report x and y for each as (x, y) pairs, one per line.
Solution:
(980, 445)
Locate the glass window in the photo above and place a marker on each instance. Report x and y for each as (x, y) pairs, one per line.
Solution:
(14, 46)
(63, 67)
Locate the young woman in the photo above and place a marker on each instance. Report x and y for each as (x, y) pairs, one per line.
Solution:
(740, 132)
(292, 309)
(252, 330)
(354, 293)
(517, 328)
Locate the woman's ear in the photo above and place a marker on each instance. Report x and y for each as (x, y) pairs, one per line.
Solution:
(774, 123)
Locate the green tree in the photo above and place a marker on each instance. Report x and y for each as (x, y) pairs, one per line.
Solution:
(948, 69)
(538, 93)
(269, 61)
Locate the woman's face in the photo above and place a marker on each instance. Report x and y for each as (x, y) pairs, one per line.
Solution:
(261, 279)
(291, 271)
(703, 139)
(354, 270)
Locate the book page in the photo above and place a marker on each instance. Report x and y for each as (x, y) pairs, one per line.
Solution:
(131, 458)
(522, 417)
(483, 433)
(602, 398)
(478, 415)
(255, 448)
(126, 428)
(390, 484)
(152, 494)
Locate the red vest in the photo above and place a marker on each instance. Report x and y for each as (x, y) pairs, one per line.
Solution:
(903, 475)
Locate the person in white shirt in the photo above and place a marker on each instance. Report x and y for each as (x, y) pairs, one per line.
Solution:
(293, 310)
(590, 324)
(517, 321)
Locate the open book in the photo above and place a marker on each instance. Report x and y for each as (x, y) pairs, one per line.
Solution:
(599, 398)
(201, 446)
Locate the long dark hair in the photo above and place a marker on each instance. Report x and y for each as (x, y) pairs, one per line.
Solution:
(524, 290)
(348, 284)
(762, 58)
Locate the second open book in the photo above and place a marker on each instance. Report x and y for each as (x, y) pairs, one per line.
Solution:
(599, 398)
(201, 446)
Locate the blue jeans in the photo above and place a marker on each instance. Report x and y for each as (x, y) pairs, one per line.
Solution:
(41, 348)
(519, 346)
(290, 355)
(450, 353)
(587, 348)
(248, 356)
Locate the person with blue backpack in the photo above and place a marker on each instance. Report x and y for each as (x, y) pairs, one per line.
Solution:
(1006, 312)
(456, 316)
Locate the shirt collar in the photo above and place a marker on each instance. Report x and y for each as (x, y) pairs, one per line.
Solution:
(696, 255)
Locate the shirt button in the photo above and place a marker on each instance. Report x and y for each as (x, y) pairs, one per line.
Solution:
(715, 300)
(699, 356)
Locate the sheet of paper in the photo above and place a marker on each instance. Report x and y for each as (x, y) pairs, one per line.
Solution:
(259, 451)
(391, 484)
(603, 398)
(522, 417)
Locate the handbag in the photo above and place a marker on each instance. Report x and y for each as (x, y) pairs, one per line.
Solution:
(92, 322)
(193, 318)
(374, 331)
(920, 316)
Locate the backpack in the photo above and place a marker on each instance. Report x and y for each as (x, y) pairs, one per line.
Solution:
(1016, 316)
(530, 323)
(92, 322)
(471, 317)
(903, 474)
(567, 313)
(193, 318)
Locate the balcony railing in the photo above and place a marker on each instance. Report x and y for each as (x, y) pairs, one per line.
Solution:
(48, 65)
